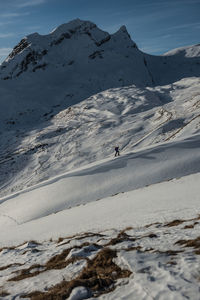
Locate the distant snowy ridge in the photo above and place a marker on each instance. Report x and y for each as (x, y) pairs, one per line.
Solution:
(189, 51)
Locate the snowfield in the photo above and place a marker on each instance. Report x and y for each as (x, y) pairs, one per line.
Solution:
(130, 117)
(116, 175)
(59, 234)
(76, 222)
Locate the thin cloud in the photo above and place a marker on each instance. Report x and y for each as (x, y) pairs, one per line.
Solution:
(29, 3)
(184, 26)
(6, 35)
(6, 23)
(14, 15)
(5, 51)
(168, 3)
(166, 36)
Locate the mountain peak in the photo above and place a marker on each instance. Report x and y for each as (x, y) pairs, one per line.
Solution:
(73, 25)
(123, 32)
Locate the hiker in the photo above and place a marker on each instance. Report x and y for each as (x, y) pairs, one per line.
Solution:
(117, 151)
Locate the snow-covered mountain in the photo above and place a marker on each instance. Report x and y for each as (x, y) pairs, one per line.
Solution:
(86, 132)
(70, 64)
(77, 60)
(77, 222)
(44, 132)
(174, 65)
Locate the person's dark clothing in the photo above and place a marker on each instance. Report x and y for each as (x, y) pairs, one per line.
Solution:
(117, 151)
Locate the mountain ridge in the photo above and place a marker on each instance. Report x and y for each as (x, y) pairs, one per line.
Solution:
(84, 98)
(77, 60)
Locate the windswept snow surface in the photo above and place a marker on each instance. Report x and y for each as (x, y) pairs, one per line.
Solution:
(129, 172)
(126, 226)
(68, 97)
(154, 232)
(130, 117)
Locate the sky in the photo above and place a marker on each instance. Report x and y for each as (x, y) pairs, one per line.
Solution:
(156, 26)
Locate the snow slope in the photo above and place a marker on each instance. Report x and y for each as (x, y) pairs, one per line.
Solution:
(77, 222)
(152, 234)
(131, 171)
(174, 65)
(50, 126)
(88, 132)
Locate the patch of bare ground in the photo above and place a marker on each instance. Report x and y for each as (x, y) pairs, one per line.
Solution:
(190, 226)
(153, 224)
(178, 221)
(33, 242)
(75, 237)
(121, 237)
(15, 247)
(56, 262)
(26, 273)
(4, 293)
(99, 276)
(7, 248)
(194, 243)
(149, 235)
(10, 265)
(168, 252)
(174, 223)
(134, 248)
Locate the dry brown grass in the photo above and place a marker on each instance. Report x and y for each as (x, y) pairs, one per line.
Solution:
(7, 248)
(56, 262)
(178, 222)
(190, 226)
(79, 237)
(134, 248)
(195, 243)
(121, 237)
(9, 266)
(99, 276)
(174, 223)
(60, 240)
(168, 252)
(4, 293)
(152, 235)
(26, 273)
(17, 246)
(152, 224)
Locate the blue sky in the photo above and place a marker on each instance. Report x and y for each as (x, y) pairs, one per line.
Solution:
(155, 25)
